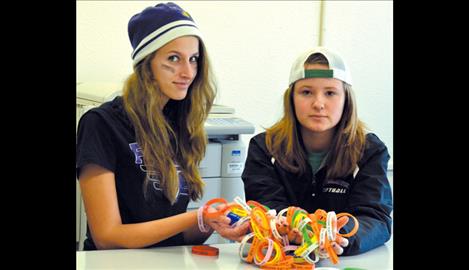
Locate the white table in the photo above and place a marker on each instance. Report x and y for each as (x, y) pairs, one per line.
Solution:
(181, 257)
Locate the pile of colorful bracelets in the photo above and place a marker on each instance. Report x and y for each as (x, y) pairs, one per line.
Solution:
(267, 248)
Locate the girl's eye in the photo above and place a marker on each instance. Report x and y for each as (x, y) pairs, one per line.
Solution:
(194, 59)
(305, 92)
(173, 58)
(330, 93)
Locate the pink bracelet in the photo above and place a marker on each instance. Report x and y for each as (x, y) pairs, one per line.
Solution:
(268, 253)
(200, 220)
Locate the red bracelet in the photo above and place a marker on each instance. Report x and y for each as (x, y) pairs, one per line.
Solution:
(205, 250)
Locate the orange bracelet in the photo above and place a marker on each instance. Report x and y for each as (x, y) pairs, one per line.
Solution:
(314, 224)
(254, 244)
(330, 250)
(253, 204)
(217, 213)
(355, 227)
(321, 216)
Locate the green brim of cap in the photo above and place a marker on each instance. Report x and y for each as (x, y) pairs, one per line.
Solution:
(319, 73)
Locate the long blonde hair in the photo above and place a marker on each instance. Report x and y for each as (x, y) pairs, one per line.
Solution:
(285, 143)
(179, 138)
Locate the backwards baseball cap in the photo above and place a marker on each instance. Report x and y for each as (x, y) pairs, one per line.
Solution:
(337, 67)
(155, 26)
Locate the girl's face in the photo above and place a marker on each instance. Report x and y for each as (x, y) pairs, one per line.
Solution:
(319, 102)
(174, 66)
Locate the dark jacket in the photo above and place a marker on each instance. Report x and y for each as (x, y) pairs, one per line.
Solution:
(367, 195)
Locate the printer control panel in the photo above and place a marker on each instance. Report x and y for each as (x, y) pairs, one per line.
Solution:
(227, 125)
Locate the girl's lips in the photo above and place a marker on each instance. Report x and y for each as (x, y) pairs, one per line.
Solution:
(182, 85)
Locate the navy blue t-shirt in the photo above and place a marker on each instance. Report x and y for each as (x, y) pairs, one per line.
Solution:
(106, 137)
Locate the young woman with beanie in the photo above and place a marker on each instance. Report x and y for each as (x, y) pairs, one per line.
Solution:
(138, 155)
(319, 155)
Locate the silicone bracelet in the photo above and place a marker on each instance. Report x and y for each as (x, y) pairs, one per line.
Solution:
(200, 220)
(278, 220)
(260, 218)
(322, 238)
(301, 249)
(261, 234)
(290, 248)
(321, 217)
(332, 255)
(244, 242)
(281, 212)
(279, 255)
(283, 264)
(298, 215)
(255, 243)
(312, 250)
(314, 224)
(307, 238)
(273, 227)
(205, 250)
(238, 210)
(285, 240)
(302, 266)
(252, 204)
(218, 212)
(303, 223)
(308, 250)
(258, 252)
(241, 221)
(243, 204)
(355, 227)
(290, 212)
(331, 225)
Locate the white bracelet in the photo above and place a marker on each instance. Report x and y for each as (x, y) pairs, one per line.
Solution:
(331, 225)
(244, 242)
(322, 238)
(200, 220)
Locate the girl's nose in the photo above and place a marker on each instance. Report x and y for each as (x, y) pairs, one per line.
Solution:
(318, 104)
(187, 70)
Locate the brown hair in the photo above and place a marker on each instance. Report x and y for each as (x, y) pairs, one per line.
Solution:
(179, 138)
(284, 140)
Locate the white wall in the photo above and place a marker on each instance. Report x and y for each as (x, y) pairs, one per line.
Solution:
(252, 45)
(363, 32)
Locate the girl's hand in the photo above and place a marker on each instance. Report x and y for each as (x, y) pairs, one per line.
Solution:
(221, 224)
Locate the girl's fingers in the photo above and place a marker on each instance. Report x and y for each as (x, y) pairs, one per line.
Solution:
(282, 228)
(341, 222)
(294, 236)
(228, 232)
(341, 241)
(337, 248)
(299, 238)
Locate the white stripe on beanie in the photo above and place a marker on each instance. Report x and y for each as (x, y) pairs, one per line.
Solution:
(160, 37)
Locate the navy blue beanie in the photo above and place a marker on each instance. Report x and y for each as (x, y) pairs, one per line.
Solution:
(155, 26)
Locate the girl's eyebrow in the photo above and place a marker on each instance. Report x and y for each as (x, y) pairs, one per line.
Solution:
(176, 52)
(305, 85)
